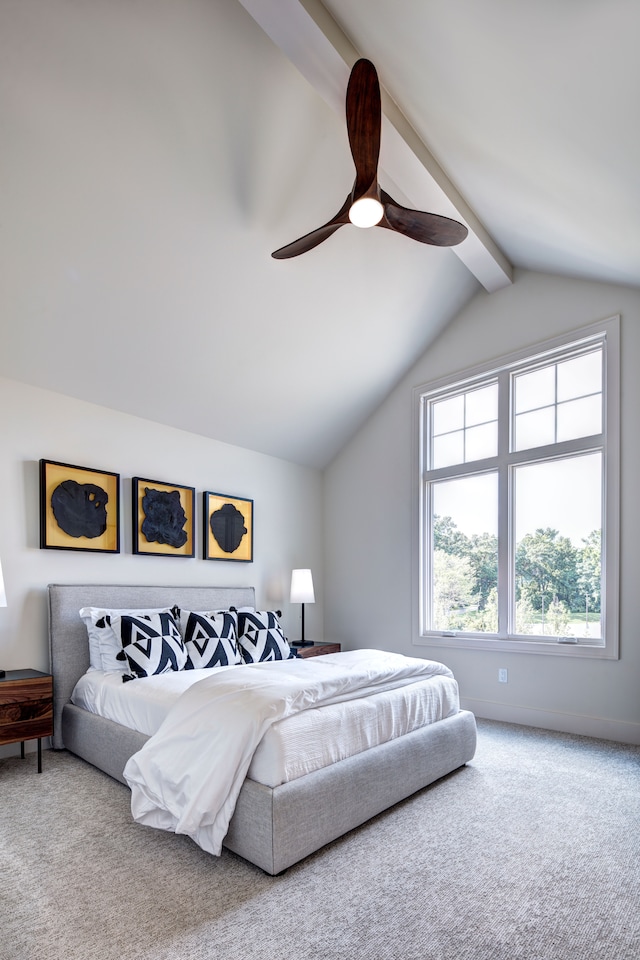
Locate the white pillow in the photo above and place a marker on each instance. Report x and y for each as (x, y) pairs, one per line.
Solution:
(104, 645)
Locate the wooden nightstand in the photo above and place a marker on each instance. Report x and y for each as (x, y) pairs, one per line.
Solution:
(317, 649)
(26, 708)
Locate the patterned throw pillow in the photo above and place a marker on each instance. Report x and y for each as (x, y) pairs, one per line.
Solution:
(151, 644)
(211, 638)
(104, 645)
(260, 637)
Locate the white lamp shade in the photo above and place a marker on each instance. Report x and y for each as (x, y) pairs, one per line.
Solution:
(302, 587)
(3, 596)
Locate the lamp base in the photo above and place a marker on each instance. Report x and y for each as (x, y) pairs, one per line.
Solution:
(302, 643)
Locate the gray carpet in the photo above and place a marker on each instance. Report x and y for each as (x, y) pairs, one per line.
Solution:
(528, 853)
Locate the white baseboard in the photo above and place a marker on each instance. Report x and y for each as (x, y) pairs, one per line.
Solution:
(584, 726)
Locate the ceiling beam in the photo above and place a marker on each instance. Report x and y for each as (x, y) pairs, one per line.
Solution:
(311, 39)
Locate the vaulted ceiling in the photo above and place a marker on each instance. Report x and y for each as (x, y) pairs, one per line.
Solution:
(155, 153)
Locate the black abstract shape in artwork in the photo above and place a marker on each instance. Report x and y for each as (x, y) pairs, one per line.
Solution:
(80, 509)
(164, 518)
(227, 526)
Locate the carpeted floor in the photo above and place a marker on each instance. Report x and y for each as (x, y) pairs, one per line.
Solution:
(530, 852)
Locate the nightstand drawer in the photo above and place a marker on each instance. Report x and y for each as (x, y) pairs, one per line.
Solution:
(26, 708)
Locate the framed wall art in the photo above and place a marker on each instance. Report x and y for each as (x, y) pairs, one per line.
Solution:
(163, 518)
(79, 508)
(228, 528)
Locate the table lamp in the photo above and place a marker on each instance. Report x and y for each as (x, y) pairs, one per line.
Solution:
(302, 592)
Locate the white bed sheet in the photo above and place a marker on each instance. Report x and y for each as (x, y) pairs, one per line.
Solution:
(291, 747)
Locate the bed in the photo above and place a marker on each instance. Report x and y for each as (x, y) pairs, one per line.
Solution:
(275, 826)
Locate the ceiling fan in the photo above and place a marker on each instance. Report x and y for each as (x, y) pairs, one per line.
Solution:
(368, 205)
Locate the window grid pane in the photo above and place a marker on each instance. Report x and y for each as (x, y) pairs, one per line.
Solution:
(535, 429)
(580, 376)
(464, 556)
(558, 535)
(579, 418)
(481, 406)
(448, 449)
(481, 442)
(536, 389)
(559, 387)
(448, 415)
(464, 428)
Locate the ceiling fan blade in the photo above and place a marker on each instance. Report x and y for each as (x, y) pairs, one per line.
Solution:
(424, 227)
(311, 240)
(364, 118)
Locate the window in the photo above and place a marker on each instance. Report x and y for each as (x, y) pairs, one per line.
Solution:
(517, 525)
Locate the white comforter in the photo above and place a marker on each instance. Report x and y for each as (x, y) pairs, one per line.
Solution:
(187, 777)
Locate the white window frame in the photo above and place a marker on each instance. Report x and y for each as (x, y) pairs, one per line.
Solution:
(606, 332)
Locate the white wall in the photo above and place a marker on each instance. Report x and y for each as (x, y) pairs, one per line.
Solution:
(39, 424)
(368, 517)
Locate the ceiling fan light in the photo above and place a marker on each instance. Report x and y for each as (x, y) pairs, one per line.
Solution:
(366, 212)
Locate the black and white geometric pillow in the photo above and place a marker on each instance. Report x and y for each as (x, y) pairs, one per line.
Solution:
(257, 620)
(211, 638)
(260, 637)
(151, 644)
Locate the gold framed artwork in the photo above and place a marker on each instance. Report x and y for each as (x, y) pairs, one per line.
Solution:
(79, 508)
(228, 528)
(163, 518)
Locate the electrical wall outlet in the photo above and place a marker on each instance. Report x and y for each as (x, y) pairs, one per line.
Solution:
(503, 675)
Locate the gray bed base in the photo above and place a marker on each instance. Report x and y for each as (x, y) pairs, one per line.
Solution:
(276, 827)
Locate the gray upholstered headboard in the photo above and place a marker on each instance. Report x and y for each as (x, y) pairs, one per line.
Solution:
(68, 643)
